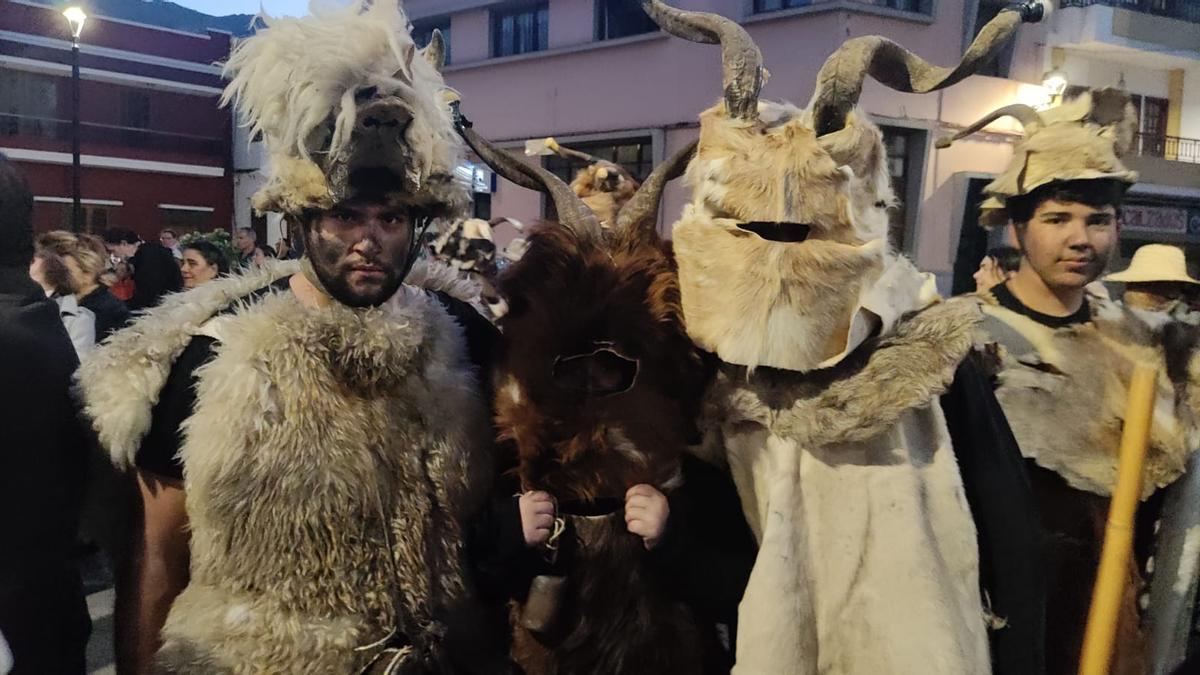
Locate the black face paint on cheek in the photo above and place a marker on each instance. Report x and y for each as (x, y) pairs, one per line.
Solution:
(331, 260)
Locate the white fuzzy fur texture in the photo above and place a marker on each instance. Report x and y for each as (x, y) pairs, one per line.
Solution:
(295, 82)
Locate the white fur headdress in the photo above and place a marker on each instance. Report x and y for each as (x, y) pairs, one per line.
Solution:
(340, 90)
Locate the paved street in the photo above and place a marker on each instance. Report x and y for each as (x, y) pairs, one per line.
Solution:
(99, 653)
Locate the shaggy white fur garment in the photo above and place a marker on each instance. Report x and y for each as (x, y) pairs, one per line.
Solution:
(122, 380)
(311, 426)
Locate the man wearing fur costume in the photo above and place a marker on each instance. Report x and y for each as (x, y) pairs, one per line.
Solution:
(1063, 356)
(317, 427)
(872, 460)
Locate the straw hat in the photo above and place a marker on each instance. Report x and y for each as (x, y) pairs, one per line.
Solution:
(1155, 262)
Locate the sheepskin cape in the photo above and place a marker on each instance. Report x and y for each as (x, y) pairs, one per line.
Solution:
(1065, 390)
(313, 431)
(868, 561)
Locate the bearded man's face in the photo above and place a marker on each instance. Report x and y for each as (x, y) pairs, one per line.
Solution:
(359, 250)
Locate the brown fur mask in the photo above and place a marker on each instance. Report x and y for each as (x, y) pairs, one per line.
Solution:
(788, 219)
(598, 383)
(598, 387)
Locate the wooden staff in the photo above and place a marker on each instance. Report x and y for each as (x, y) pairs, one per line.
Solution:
(1118, 537)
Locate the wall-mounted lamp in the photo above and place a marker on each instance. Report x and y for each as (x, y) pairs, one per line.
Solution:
(1054, 82)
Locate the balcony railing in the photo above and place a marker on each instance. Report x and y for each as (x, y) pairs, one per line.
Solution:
(1188, 10)
(1173, 148)
(107, 134)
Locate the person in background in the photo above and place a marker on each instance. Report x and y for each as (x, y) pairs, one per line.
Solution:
(121, 284)
(170, 241)
(244, 240)
(202, 262)
(49, 269)
(261, 255)
(43, 616)
(997, 267)
(284, 250)
(86, 262)
(1157, 279)
(155, 272)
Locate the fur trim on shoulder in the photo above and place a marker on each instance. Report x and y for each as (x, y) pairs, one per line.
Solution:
(121, 381)
(862, 396)
(909, 369)
(1067, 413)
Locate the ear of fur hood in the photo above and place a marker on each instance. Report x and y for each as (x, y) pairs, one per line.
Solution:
(121, 381)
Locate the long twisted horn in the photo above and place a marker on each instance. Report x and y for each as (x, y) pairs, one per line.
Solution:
(572, 212)
(1024, 114)
(839, 83)
(742, 60)
(639, 216)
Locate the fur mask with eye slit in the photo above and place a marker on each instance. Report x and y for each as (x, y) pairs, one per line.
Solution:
(788, 218)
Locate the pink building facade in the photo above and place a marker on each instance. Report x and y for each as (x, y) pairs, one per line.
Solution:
(592, 74)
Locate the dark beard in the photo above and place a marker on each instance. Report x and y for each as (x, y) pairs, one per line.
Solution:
(325, 266)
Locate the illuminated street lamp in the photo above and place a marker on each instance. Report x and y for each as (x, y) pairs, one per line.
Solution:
(75, 17)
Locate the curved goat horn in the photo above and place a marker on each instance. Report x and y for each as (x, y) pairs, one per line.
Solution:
(839, 83)
(1024, 114)
(435, 51)
(572, 212)
(639, 216)
(741, 58)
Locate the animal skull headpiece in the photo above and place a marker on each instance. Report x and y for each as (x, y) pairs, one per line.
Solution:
(603, 185)
(787, 225)
(1081, 139)
(345, 89)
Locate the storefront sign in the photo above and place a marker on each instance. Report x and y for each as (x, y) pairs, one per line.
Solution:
(1154, 219)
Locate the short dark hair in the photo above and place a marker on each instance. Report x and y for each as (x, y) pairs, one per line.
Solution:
(250, 231)
(16, 216)
(166, 230)
(1007, 258)
(211, 254)
(1094, 192)
(120, 235)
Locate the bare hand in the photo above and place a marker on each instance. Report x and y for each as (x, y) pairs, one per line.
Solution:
(537, 517)
(646, 513)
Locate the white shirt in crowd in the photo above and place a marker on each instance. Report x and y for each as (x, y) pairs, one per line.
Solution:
(80, 324)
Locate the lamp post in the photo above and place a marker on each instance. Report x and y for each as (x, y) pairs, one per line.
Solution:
(75, 17)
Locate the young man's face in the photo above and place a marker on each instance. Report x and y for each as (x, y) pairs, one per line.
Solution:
(359, 250)
(1067, 244)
